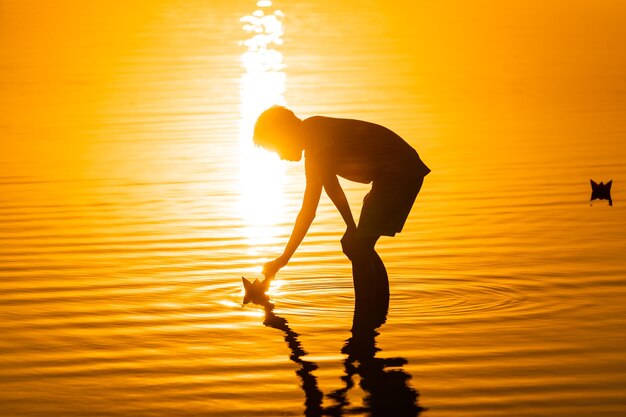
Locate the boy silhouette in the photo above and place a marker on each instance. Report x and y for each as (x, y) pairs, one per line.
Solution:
(357, 151)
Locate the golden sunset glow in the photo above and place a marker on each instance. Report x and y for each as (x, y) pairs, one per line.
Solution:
(262, 85)
(133, 201)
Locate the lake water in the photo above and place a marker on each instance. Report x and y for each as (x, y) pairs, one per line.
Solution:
(132, 201)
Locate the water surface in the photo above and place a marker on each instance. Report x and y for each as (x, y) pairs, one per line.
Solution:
(132, 201)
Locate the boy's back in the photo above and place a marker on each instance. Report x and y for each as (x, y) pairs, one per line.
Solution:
(357, 150)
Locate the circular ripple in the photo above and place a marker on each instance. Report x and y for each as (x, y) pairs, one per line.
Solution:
(315, 297)
(459, 300)
(448, 300)
(470, 301)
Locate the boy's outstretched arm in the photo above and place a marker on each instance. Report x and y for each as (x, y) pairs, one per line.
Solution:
(303, 221)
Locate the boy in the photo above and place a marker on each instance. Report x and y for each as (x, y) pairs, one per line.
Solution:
(358, 151)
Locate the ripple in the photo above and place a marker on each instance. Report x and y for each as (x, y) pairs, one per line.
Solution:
(471, 301)
(443, 300)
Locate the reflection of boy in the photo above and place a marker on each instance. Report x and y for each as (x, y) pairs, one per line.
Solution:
(355, 150)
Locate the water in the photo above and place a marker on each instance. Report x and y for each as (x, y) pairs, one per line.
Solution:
(132, 202)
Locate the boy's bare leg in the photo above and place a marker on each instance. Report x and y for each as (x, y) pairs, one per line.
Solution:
(371, 283)
(382, 278)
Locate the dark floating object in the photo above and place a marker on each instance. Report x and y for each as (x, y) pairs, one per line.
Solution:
(255, 291)
(601, 191)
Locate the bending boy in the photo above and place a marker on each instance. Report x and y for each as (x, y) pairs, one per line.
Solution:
(358, 151)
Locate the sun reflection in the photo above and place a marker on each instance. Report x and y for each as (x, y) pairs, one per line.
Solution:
(275, 288)
(262, 85)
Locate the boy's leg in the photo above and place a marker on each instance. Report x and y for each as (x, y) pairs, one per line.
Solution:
(371, 284)
(380, 301)
(384, 212)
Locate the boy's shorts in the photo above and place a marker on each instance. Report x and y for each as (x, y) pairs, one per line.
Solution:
(388, 204)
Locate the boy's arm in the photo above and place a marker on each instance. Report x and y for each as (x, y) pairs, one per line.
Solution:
(303, 221)
(338, 197)
(305, 216)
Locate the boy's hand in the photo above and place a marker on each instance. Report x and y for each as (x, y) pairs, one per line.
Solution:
(271, 268)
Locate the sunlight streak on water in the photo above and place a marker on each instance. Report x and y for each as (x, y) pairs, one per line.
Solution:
(262, 85)
(132, 201)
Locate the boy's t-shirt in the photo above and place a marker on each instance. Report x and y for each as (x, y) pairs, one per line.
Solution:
(358, 151)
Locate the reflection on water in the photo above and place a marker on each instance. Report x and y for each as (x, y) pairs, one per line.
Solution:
(312, 394)
(387, 391)
(385, 382)
(262, 85)
(129, 208)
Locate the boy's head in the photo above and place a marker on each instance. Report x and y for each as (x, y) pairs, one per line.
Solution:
(276, 130)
